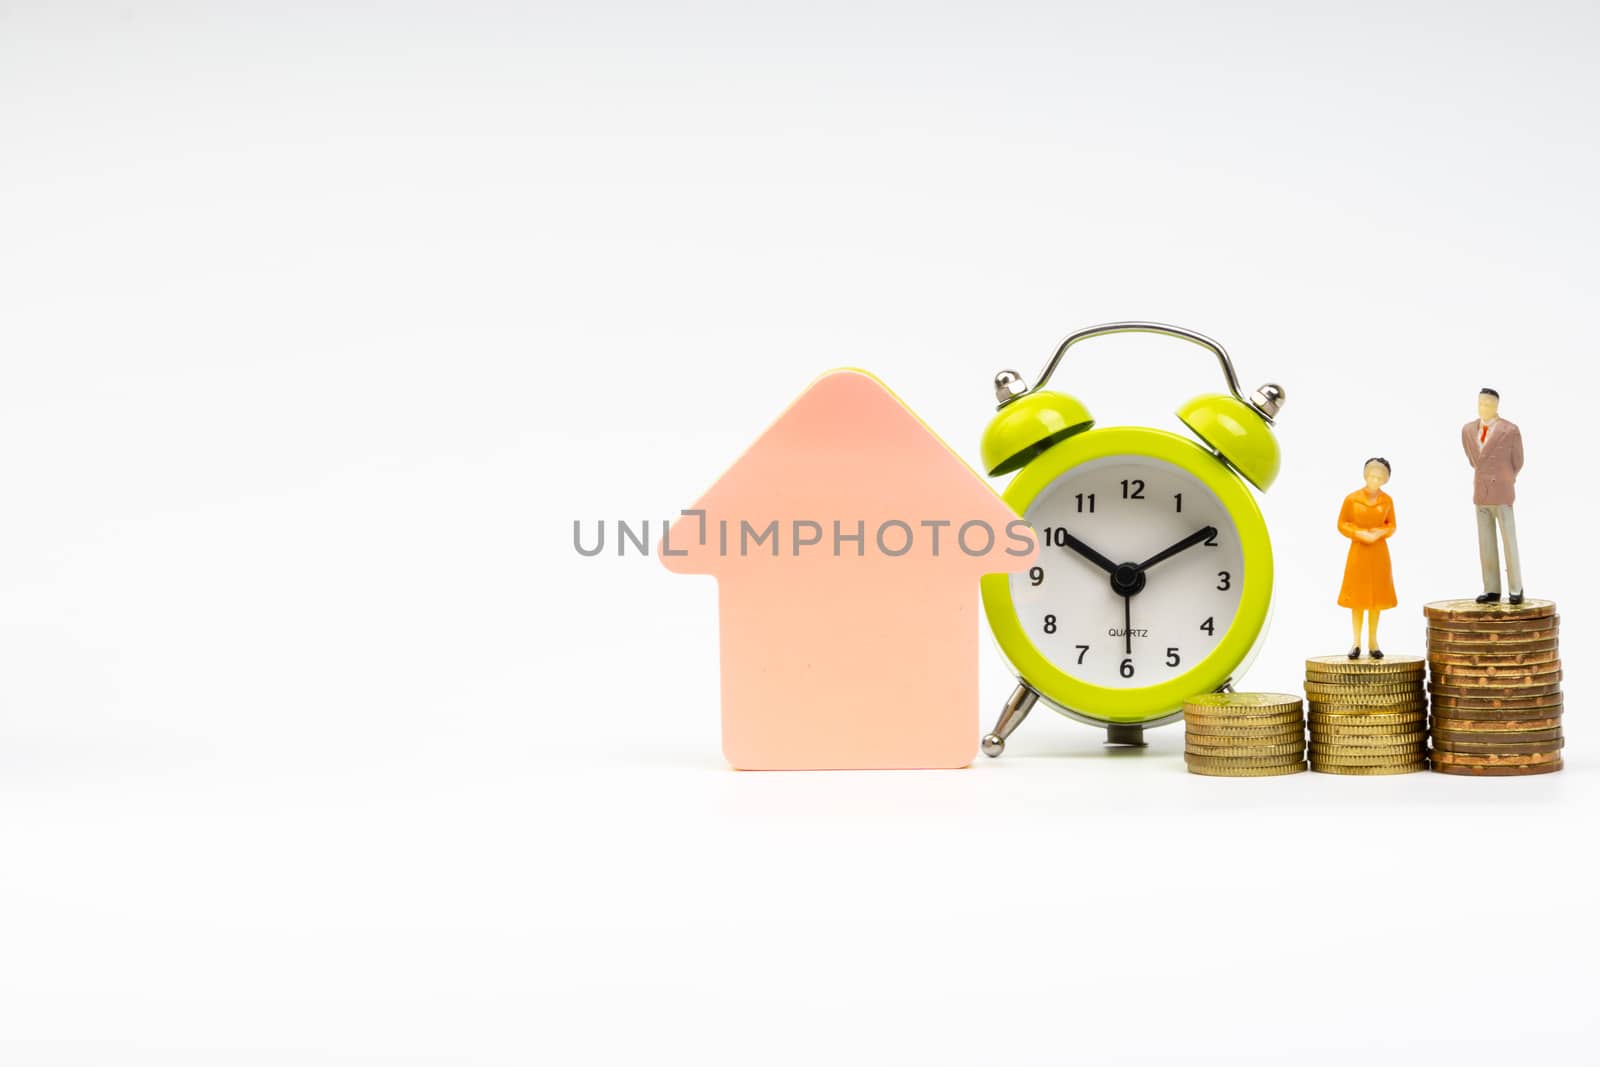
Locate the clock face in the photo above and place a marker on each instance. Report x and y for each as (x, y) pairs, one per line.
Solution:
(1095, 607)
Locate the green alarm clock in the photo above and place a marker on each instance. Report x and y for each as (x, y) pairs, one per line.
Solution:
(1154, 576)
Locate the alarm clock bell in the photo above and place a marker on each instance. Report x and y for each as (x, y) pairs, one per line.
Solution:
(1030, 421)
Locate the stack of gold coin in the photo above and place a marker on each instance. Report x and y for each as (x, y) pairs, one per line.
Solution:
(1368, 716)
(1495, 676)
(1244, 735)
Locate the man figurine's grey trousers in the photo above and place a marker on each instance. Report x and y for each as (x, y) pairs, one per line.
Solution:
(1488, 551)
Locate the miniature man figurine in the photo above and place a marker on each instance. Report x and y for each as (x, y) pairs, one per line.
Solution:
(1494, 448)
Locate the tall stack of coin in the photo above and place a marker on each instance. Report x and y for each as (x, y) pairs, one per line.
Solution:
(1368, 716)
(1244, 735)
(1495, 676)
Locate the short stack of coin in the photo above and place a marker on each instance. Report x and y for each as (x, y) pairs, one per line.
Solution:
(1244, 735)
(1495, 677)
(1368, 716)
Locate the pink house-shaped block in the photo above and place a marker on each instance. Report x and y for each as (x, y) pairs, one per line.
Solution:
(847, 543)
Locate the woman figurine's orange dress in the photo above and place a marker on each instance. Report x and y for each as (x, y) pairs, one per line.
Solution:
(1367, 518)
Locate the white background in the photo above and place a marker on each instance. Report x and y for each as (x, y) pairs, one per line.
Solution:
(320, 325)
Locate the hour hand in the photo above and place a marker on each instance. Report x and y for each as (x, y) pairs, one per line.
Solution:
(1086, 552)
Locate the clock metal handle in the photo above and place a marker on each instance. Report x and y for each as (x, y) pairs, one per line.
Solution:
(1266, 400)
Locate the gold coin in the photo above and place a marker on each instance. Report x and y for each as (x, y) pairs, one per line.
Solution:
(1537, 661)
(1495, 759)
(1368, 740)
(1335, 735)
(1472, 611)
(1537, 704)
(1323, 692)
(1324, 767)
(1247, 745)
(1210, 729)
(1414, 731)
(1445, 721)
(1224, 767)
(1393, 683)
(1508, 628)
(1248, 772)
(1451, 719)
(1367, 682)
(1497, 740)
(1505, 690)
(1437, 647)
(1367, 759)
(1488, 676)
(1264, 734)
(1467, 741)
(1381, 687)
(1410, 707)
(1384, 754)
(1256, 758)
(1504, 747)
(1340, 763)
(1364, 706)
(1493, 640)
(1281, 748)
(1492, 682)
(1363, 719)
(1503, 627)
(1466, 644)
(1555, 745)
(1345, 665)
(1456, 680)
(1449, 660)
(1497, 772)
(1450, 672)
(1242, 701)
(1496, 727)
(1368, 705)
(1401, 734)
(1550, 723)
(1504, 642)
(1276, 718)
(1493, 674)
(1394, 680)
(1498, 707)
(1496, 685)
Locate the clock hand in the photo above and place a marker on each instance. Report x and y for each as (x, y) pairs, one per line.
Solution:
(1086, 552)
(1172, 550)
(1127, 620)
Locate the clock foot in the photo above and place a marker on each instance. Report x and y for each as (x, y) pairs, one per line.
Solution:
(1017, 707)
(1121, 733)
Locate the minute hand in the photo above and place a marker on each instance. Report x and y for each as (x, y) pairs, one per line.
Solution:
(1172, 550)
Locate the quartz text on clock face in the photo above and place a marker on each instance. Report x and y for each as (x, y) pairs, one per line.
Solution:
(1139, 575)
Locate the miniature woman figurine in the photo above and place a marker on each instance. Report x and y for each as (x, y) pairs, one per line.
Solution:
(1367, 518)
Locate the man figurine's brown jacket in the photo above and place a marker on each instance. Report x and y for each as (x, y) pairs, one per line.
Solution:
(1495, 462)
